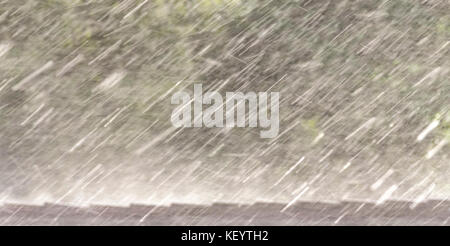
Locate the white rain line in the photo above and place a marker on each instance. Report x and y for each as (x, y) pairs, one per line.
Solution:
(135, 9)
(290, 170)
(31, 116)
(33, 75)
(367, 124)
(438, 147)
(4, 48)
(387, 194)
(294, 200)
(427, 130)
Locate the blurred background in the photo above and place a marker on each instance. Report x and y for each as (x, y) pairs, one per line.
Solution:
(85, 109)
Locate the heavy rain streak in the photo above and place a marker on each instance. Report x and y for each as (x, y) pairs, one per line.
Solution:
(86, 88)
